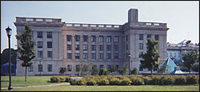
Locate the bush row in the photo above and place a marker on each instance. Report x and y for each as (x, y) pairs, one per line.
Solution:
(130, 80)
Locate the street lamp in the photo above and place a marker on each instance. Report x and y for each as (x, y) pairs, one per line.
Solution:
(9, 31)
(129, 64)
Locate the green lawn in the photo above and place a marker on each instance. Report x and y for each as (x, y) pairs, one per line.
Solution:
(112, 88)
(20, 81)
(37, 80)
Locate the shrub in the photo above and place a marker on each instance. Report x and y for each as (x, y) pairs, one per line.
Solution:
(103, 71)
(155, 80)
(137, 81)
(103, 82)
(91, 82)
(192, 79)
(73, 82)
(81, 82)
(125, 81)
(115, 81)
(180, 80)
(167, 80)
(135, 71)
(67, 78)
(147, 80)
(55, 79)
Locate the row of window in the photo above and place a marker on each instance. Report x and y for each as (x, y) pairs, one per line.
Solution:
(93, 56)
(93, 47)
(141, 36)
(69, 67)
(40, 54)
(40, 68)
(92, 38)
(40, 34)
(40, 44)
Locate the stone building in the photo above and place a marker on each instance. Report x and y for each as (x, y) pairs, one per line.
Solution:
(60, 44)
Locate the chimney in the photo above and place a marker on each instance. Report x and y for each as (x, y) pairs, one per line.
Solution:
(133, 15)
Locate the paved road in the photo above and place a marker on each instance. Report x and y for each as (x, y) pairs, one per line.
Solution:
(39, 85)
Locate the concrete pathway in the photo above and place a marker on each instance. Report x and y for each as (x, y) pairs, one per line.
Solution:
(39, 85)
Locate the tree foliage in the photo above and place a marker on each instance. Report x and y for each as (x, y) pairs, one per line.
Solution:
(150, 59)
(103, 71)
(123, 69)
(62, 70)
(26, 48)
(4, 56)
(94, 70)
(190, 58)
(134, 71)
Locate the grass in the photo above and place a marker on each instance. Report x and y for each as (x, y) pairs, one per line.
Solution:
(20, 81)
(113, 88)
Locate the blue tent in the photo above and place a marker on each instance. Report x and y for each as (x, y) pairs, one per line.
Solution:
(168, 67)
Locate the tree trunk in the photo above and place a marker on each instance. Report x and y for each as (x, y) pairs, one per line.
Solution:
(151, 71)
(25, 73)
(189, 71)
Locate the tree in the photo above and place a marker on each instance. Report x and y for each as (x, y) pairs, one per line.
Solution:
(195, 67)
(94, 70)
(190, 58)
(135, 71)
(112, 69)
(103, 71)
(62, 70)
(26, 48)
(150, 59)
(4, 56)
(123, 69)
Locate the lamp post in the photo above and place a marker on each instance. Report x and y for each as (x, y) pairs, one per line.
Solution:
(129, 64)
(9, 31)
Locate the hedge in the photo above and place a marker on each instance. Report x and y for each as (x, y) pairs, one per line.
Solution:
(129, 80)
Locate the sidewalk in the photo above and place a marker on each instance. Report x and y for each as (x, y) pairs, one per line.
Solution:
(39, 85)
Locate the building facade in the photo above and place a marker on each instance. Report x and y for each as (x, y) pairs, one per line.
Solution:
(175, 51)
(60, 44)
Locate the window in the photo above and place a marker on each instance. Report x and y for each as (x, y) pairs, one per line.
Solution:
(85, 55)
(108, 39)
(85, 38)
(108, 47)
(69, 67)
(109, 67)
(40, 54)
(76, 47)
(148, 35)
(100, 47)
(174, 54)
(30, 69)
(69, 55)
(101, 66)
(49, 54)
(116, 67)
(126, 46)
(40, 68)
(108, 55)
(100, 38)
(116, 39)
(40, 44)
(93, 48)
(77, 68)
(39, 34)
(77, 38)
(116, 56)
(116, 47)
(49, 44)
(49, 34)
(170, 55)
(140, 46)
(93, 56)
(69, 47)
(77, 56)
(69, 38)
(100, 55)
(93, 38)
(156, 37)
(49, 67)
(85, 47)
(140, 36)
(126, 37)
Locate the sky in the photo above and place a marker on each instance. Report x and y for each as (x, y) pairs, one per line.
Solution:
(182, 17)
